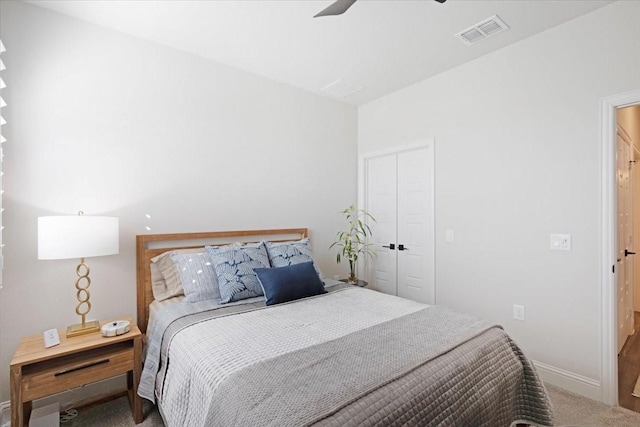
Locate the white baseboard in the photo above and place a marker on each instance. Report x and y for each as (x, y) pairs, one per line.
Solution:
(69, 398)
(5, 414)
(567, 380)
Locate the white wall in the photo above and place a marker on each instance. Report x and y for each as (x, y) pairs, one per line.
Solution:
(517, 158)
(109, 124)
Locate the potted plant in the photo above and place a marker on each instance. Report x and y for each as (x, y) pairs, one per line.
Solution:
(353, 241)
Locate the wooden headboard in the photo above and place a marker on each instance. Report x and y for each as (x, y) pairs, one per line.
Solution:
(151, 245)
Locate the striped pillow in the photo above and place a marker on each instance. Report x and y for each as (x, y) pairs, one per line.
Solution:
(197, 276)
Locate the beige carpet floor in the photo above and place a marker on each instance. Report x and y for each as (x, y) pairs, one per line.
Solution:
(570, 410)
(574, 410)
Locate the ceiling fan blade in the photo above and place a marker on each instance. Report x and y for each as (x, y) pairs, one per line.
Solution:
(337, 8)
(341, 6)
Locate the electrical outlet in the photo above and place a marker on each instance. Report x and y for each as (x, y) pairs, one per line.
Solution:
(449, 236)
(518, 312)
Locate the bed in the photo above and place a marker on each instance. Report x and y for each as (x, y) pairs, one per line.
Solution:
(338, 355)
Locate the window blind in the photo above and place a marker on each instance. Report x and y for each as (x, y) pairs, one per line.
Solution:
(3, 104)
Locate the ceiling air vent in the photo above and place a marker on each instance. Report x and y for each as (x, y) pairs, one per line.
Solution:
(482, 30)
(341, 88)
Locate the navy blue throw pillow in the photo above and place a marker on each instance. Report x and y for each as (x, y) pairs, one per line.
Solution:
(283, 284)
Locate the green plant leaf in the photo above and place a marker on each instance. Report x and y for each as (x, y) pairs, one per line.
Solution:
(353, 240)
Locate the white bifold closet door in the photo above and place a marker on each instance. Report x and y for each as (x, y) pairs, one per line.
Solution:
(399, 194)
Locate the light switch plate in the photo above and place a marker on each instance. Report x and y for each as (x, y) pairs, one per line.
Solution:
(560, 242)
(448, 235)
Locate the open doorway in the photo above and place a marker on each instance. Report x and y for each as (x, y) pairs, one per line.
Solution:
(628, 271)
(609, 236)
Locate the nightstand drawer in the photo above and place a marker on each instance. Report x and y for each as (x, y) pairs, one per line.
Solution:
(53, 376)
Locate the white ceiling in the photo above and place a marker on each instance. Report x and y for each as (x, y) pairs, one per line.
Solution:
(382, 45)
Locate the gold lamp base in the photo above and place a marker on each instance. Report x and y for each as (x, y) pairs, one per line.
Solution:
(84, 306)
(80, 329)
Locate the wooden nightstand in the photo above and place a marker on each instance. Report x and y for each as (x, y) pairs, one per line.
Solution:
(38, 372)
(360, 283)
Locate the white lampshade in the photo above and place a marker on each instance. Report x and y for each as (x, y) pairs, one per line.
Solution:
(77, 236)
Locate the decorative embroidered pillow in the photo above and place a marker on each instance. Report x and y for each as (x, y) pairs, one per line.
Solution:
(282, 254)
(197, 276)
(234, 269)
(283, 284)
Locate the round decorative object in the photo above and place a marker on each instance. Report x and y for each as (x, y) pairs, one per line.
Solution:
(118, 327)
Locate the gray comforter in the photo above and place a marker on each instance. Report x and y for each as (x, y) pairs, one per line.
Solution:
(351, 357)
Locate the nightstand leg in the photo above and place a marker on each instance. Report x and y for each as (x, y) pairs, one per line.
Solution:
(17, 408)
(26, 411)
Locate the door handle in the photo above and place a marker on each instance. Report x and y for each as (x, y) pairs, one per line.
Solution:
(391, 246)
(402, 248)
(627, 253)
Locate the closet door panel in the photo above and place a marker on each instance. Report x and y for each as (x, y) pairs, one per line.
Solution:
(399, 193)
(415, 193)
(381, 202)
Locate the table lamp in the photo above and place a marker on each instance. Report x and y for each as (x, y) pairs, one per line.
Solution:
(78, 236)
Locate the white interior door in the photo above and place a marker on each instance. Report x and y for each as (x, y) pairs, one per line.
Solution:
(635, 189)
(624, 295)
(416, 249)
(399, 194)
(381, 201)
